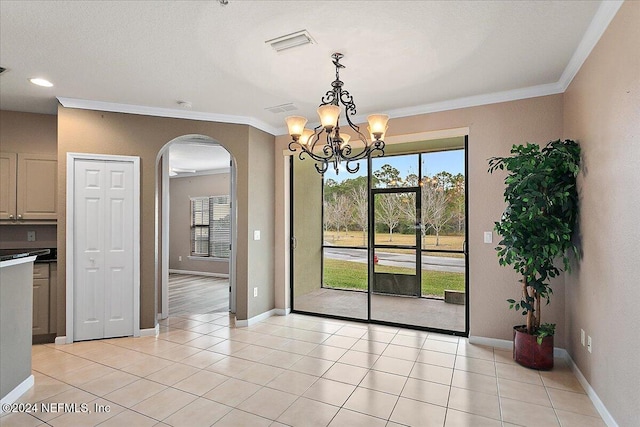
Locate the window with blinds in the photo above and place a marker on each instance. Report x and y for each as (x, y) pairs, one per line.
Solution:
(211, 226)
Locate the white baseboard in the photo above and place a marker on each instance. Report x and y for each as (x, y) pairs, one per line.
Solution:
(564, 354)
(282, 311)
(199, 273)
(256, 319)
(150, 332)
(491, 342)
(508, 345)
(60, 340)
(20, 389)
(602, 410)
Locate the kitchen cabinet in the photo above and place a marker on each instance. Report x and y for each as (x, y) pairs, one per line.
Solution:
(40, 323)
(28, 187)
(53, 297)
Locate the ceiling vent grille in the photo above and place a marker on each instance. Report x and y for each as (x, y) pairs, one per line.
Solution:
(289, 41)
(282, 108)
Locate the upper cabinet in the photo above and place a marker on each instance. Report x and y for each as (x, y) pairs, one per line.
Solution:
(28, 187)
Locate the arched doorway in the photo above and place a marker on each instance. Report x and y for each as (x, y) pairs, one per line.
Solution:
(194, 157)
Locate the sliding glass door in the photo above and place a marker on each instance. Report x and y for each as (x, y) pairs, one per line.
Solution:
(385, 245)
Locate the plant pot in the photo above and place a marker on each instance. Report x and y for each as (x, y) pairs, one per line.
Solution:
(528, 353)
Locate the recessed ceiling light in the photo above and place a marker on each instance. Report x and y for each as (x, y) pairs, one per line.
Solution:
(41, 82)
(291, 40)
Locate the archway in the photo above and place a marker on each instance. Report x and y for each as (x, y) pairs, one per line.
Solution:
(205, 149)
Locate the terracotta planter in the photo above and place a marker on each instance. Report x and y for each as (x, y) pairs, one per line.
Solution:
(528, 353)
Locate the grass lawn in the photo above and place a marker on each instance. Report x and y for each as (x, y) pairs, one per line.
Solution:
(353, 275)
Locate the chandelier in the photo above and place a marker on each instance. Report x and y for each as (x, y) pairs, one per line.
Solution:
(336, 147)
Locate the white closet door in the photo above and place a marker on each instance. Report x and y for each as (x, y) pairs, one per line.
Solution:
(103, 270)
(118, 293)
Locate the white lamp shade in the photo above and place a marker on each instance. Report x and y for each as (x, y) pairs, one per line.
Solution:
(378, 123)
(329, 115)
(295, 125)
(304, 138)
(345, 139)
(380, 137)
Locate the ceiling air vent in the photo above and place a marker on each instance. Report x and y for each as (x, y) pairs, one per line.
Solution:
(291, 40)
(282, 108)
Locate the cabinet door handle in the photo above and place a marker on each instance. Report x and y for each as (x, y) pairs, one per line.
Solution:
(19, 216)
(10, 216)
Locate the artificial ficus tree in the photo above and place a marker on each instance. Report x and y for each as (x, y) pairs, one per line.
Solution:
(540, 219)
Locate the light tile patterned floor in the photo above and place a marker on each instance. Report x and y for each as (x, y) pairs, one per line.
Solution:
(298, 371)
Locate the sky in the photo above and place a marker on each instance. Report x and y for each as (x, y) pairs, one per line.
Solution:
(449, 161)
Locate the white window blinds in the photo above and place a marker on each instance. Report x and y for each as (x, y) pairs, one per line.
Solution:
(211, 226)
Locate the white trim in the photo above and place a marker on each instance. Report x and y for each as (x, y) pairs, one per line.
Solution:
(60, 340)
(86, 104)
(491, 342)
(164, 212)
(207, 258)
(18, 391)
(258, 318)
(150, 332)
(599, 24)
(199, 273)
(602, 410)
(16, 261)
(412, 137)
(428, 136)
(282, 311)
(71, 158)
(564, 354)
(164, 230)
(507, 344)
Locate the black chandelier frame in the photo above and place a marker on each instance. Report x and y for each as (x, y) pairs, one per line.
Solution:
(335, 150)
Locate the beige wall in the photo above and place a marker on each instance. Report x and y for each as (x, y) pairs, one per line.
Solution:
(182, 189)
(88, 131)
(260, 209)
(307, 227)
(602, 112)
(28, 132)
(492, 131)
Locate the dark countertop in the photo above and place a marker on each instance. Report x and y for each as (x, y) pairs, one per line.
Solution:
(9, 254)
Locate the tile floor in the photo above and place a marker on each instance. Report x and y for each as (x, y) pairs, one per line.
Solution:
(298, 371)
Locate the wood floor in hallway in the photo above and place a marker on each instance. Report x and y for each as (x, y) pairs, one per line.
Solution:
(191, 294)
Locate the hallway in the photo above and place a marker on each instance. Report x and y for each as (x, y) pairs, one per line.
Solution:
(191, 294)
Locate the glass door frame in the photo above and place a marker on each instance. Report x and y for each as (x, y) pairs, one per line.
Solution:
(370, 251)
(372, 237)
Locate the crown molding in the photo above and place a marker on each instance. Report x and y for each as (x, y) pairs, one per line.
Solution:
(85, 104)
(469, 101)
(597, 27)
(601, 20)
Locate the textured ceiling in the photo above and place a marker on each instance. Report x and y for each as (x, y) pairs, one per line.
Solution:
(401, 56)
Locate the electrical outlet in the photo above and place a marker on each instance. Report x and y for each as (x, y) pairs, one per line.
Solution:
(31, 236)
(180, 259)
(488, 237)
(255, 292)
(582, 337)
(589, 346)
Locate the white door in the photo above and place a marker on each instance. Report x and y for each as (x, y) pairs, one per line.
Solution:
(103, 289)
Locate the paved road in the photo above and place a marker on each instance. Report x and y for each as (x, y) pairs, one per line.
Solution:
(434, 263)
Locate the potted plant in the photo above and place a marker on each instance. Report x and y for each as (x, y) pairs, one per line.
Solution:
(536, 229)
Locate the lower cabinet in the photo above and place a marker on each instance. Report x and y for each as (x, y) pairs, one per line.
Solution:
(40, 323)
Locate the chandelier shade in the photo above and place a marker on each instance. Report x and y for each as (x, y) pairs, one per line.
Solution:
(325, 144)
